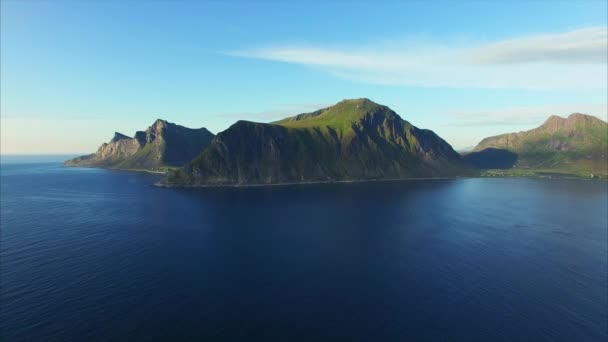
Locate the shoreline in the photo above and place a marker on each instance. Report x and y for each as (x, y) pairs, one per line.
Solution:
(116, 169)
(160, 185)
(203, 186)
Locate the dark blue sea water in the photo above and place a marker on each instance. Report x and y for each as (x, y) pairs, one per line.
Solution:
(90, 254)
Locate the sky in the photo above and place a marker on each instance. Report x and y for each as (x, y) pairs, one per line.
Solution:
(74, 72)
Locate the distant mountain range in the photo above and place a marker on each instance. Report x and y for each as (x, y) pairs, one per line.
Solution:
(163, 144)
(577, 144)
(353, 140)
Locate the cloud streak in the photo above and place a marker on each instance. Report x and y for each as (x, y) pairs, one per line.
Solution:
(574, 59)
(580, 46)
(522, 116)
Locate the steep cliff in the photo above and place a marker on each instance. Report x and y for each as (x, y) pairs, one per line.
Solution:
(352, 140)
(162, 144)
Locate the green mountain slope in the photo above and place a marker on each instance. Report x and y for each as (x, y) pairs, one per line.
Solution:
(162, 144)
(577, 144)
(352, 140)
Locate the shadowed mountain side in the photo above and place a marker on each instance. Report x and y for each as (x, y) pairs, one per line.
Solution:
(492, 158)
(577, 144)
(162, 144)
(353, 140)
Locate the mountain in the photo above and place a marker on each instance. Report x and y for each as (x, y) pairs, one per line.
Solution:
(162, 144)
(352, 140)
(578, 143)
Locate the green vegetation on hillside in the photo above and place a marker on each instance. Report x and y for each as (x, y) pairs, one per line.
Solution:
(577, 145)
(540, 173)
(353, 140)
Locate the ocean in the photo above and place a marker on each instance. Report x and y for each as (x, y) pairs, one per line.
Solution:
(92, 254)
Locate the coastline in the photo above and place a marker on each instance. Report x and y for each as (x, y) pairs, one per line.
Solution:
(161, 185)
(117, 169)
(482, 174)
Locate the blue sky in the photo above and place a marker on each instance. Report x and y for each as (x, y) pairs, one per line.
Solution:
(72, 73)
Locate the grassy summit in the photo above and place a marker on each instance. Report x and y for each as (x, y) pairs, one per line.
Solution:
(340, 116)
(577, 144)
(352, 140)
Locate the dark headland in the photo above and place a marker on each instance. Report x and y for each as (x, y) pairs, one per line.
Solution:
(353, 140)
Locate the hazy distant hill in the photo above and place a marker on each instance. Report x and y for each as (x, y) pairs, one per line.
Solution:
(162, 144)
(352, 140)
(578, 143)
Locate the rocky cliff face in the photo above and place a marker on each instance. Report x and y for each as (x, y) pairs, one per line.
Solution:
(162, 144)
(353, 140)
(119, 147)
(577, 142)
(556, 133)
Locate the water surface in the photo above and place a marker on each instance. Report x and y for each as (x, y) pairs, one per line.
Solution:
(89, 254)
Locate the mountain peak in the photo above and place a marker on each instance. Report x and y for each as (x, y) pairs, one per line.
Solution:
(361, 100)
(554, 118)
(119, 136)
(579, 117)
(352, 140)
(341, 115)
(160, 123)
(360, 103)
(553, 121)
(161, 144)
(576, 143)
(574, 115)
(573, 120)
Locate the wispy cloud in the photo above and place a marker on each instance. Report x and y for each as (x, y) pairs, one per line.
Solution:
(588, 45)
(574, 59)
(522, 116)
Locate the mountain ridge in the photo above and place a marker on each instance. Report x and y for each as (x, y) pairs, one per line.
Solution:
(352, 140)
(163, 144)
(578, 142)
